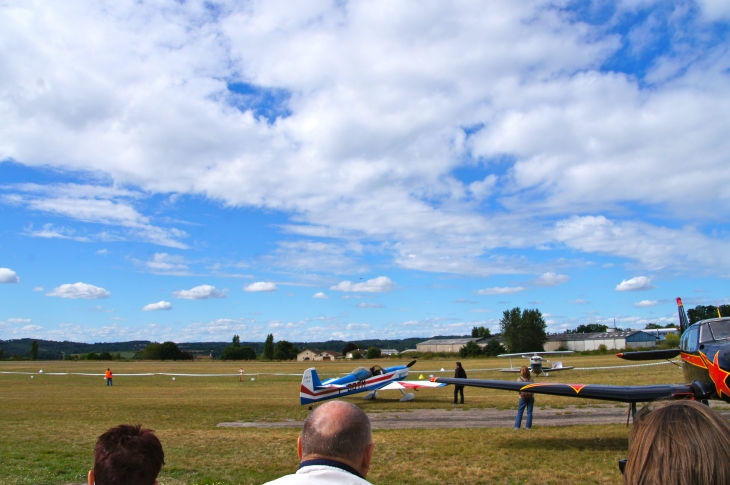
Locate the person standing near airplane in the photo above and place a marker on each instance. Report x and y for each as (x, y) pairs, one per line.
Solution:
(527, 400)
(335, 447)
(108, 376)
(459, 373)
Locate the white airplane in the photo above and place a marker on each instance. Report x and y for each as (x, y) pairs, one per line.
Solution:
(360, 380)
(536, 362)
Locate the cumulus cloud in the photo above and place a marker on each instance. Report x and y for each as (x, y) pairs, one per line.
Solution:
(19, 320)
(501, 290)
(370, 305)
(79, 290)
(7, 275)
(320, 295)
(260, 287)
(639, 283)
(38, 288)
(551, 279)
(160, 305)
(166, 264)
(381, 284)
(202, 292)
(646, 303)
(579, 301)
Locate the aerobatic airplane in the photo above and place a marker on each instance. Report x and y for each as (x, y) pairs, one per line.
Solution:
(705, 353)
(360, 380)
(536, 362)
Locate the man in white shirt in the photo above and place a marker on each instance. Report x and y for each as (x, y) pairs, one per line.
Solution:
(335, 447)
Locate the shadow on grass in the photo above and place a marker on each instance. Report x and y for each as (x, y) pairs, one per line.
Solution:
(561, 444)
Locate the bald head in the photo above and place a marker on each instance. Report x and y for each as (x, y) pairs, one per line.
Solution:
(337, 429)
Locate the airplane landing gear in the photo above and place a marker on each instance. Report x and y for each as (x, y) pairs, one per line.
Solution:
(371, 395)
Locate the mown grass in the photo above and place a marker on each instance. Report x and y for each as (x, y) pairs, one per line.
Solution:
(49, 424)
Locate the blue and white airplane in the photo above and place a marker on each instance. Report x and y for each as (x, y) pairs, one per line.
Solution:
(360, 380)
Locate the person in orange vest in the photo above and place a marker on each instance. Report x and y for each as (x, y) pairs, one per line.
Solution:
(108, 377)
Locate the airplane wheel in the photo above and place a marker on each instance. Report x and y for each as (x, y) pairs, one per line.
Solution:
(407, 397)
(547, 375)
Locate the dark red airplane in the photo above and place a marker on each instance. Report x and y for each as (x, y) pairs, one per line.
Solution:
(705, 352)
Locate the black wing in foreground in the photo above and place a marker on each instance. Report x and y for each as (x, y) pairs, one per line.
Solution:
(593, 391)
(650, 354)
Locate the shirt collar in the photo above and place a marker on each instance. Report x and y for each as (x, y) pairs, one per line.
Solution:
(332, 463)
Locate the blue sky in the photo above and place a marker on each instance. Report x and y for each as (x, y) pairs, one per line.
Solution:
(345, 170)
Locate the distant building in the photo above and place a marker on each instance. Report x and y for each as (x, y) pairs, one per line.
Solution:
(592, 341)
(388, 352)
(661, 333)
(318, 355)
(452, 345)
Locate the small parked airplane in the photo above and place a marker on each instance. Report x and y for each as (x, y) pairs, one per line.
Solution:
(536, 362)
(360, 380)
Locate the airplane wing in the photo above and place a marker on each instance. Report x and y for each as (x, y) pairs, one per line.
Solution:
(545, 369)
(530, 354)
(400, 385)
(650, 354)
(592, 391)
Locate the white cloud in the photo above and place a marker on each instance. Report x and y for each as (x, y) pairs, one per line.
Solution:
(202, 292)
(501, 290)
(370, 305)
(320, 295)
(19, 320)
(7, 275)
(79, 290)
(381, 284)
(579, 301)
(102, 252)
(160, 305)
(38, 288)
(551, 279)
(646, 303)
(260, 286)
(639, 283)
(166, 264)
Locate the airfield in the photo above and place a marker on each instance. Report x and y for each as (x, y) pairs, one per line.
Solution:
(216, 430)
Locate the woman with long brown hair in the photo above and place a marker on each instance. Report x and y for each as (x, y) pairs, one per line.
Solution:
(678, 443)
(527, 400)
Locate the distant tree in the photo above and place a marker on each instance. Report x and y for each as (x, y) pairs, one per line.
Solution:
(349, 347)
(118, 356)
(285, 350)
(471, 349)
(170, 351)
(602, 349)
(670, 325)
(238, 353)
(105, 356)
(356, 355)
(373, 353)
(652, 326)
(236, 341)
(1, 354)
(702, 312)
(480, 332)
(590, 328)
(92, 356)
(185, 355)
(34, 350)
(152, 351)
(671, 341)
(269, 348)
(493, 348)
(523, 331)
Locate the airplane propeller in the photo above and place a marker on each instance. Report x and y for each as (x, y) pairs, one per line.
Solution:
(411, 364)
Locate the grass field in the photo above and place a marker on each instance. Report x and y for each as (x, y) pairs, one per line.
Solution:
(49, 424)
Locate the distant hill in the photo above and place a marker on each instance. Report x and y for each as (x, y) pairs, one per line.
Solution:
(52, 350)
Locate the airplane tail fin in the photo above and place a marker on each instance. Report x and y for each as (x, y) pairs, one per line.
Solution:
(310, 383)
(683, 322)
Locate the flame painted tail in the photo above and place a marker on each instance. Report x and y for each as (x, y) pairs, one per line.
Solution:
(310, 385)
(683, 322)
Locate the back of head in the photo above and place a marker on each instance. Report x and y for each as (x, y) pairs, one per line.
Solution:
(676, 443)
(127, 455)
(525, 372)
(337, 429)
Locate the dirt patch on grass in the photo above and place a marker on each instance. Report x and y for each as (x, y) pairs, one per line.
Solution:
(472, 418)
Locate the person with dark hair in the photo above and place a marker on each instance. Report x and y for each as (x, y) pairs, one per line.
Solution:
(127, 455)
(335, 447)
(459, 373)
(527, 400)
(108, 376)
(677, 443)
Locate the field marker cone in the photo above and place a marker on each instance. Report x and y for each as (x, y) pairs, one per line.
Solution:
(421, 376)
